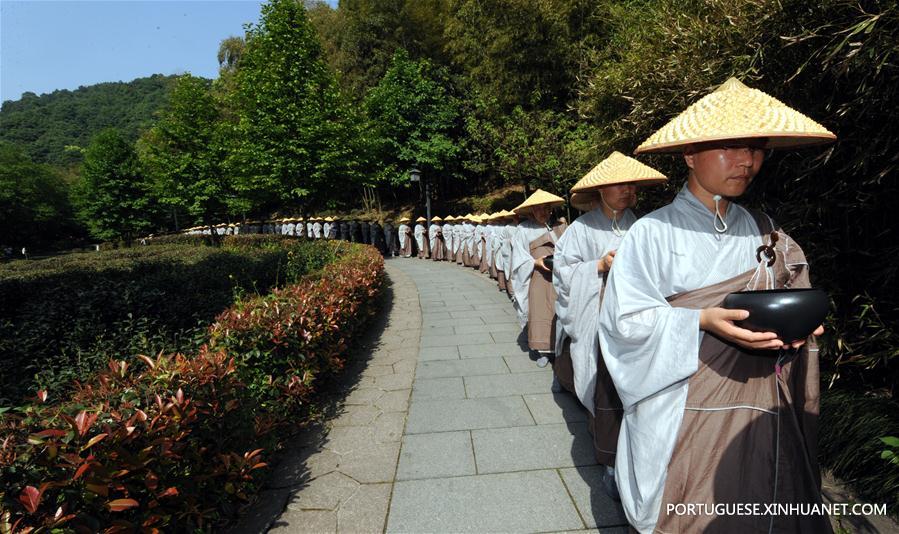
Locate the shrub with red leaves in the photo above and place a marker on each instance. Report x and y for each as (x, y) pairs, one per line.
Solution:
(176, 443)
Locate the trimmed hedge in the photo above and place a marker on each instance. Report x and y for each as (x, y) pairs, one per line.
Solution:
(176, 443)
(63, 317)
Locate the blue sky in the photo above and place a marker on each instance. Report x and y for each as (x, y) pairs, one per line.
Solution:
(49, 45)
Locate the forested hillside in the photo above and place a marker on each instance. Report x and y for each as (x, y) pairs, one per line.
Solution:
(45, 125)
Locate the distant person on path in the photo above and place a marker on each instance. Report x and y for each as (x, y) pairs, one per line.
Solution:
(713, 413)
(531, 276)
(435, 238)
(390, 239)
(334, 229)
(448, 224)
(458, 238)
(377, 238)
(421, 237)
(405, 238)
(344, 230)
(317, 228)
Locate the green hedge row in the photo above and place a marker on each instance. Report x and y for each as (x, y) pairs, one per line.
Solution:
(61, 318)
(178, 443)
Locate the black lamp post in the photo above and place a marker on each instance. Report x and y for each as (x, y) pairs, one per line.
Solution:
(415, 176)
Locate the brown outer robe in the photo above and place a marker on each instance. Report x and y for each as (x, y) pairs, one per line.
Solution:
(728, 440)
(542, 295)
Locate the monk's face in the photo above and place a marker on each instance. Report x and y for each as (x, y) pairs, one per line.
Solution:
(619, 196)
(541, 213)
(725, 168)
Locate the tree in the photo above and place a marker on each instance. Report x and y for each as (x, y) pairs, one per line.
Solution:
(183, 152)
(293, 136)
(34, 203)
(415, 120)
(112, 198)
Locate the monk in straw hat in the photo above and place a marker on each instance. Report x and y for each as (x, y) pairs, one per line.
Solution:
(582, 260)
(532, 275)
(435, 239)
(405, 237)
(448, 237)
(713, 413)
(459, 239)
(421, 237)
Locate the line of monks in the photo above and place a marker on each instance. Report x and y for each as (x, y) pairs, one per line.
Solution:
(685, 406)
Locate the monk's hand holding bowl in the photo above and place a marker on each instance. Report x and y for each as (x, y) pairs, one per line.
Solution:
(604, 264)
(800, 342)
(720, 321)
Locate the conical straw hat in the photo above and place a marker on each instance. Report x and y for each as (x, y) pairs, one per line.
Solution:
(436, 219)
(449, 218)
(538, 198)
(404, 219)
(421, 219)
(735, 111)
(618, 169)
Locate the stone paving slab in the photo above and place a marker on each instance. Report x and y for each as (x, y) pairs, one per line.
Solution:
(439, 353)
(504, 385)
(501, 450)
(451, 387)
(549, 408)
(595, 506)
(443, 340)
(522, 363)
(437, 455)
(467, 414)
(533, 501)
(444, 368)
(491, 350)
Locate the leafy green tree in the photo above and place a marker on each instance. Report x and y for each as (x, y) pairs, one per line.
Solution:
(183, 153)
(415, 120)
(292, 137)
(112, 198)
(34, 202)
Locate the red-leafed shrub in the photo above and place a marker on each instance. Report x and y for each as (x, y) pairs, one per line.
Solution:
(286, 339)
(176, 443)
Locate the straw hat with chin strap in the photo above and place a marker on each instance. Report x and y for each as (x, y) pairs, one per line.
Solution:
(735, 111)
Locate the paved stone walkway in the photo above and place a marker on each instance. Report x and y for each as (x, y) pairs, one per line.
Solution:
(487, 446)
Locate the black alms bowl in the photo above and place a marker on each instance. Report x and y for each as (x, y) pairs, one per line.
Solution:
(792, 313)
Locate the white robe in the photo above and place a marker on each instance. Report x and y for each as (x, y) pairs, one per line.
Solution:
(317, 230)
(448, 237)
(496, 243)
(419, 234)
(402, 235)
(578, 285)
(470, 238)
(651, 348)
(326, 229)
(432, 234)
(506, 250)
(522, 264)
(458, 232)
(309, 229)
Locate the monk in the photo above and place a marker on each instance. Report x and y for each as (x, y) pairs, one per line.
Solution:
(448, 237)
(421, 237)
(435, 238)
(405, 237)
(713, 413)
(583, 257)
(531, 276)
